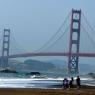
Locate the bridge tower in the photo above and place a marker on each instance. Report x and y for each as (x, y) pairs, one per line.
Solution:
(5, 48)
(74, 43)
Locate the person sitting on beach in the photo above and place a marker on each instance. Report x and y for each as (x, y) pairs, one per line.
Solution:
(78, 82)
(71, 82)
(65, 83)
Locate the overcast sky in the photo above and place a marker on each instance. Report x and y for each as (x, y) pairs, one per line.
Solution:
(33, 22)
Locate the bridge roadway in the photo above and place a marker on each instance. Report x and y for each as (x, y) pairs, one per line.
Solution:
(51, 54)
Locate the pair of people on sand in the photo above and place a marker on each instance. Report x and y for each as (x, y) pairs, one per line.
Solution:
(70, 83)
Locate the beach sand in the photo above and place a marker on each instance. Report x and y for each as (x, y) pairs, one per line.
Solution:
(85, 90)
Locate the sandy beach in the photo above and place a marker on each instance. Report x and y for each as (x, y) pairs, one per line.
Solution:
(85, 90)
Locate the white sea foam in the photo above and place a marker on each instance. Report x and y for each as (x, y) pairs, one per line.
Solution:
(38, 82)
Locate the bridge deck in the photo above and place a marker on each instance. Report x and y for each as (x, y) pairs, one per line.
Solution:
(52, 54)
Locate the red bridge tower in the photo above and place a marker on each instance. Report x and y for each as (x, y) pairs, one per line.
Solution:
(5, 49)
(74, 41)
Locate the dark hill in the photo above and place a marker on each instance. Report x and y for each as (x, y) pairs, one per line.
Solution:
(30, 65)
(36, 65)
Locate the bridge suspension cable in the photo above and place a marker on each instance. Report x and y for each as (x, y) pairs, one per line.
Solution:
(93, 42)
(58, 38)
(89, 25)
(15, 46)
(52, 37)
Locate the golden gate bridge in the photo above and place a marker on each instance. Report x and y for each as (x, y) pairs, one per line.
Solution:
(73, 52)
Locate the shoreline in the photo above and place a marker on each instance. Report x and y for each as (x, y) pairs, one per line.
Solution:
(84, 90)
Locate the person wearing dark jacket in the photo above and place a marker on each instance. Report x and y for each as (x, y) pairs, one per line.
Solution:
(65, 83)
(71, 83)
(78, 83)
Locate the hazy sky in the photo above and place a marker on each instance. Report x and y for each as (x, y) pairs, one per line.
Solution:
(33, 22)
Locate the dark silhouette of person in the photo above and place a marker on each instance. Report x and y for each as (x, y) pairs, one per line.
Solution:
(65, 83)
(71, 82)
(78, 82)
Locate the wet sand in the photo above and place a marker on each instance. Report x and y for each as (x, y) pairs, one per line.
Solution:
(85, 90)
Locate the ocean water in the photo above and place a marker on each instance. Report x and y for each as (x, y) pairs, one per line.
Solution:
(21, 81)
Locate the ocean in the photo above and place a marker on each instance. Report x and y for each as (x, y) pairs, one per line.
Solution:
(21, 81)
